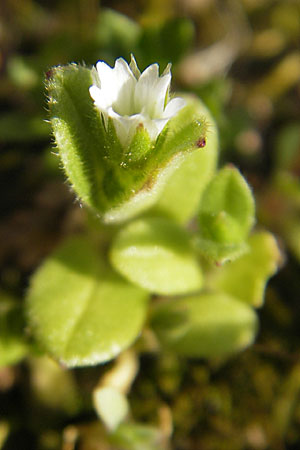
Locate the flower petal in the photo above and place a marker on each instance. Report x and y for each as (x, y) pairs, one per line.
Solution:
(117, 85)
(131, 98)
(172, 108)
(154, 127)
(143, 95)
(125, 83)
(100, 98)
(126, 126)
(106, 78)
(159, 95)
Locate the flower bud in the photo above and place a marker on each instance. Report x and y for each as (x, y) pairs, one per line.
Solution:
(119, 135)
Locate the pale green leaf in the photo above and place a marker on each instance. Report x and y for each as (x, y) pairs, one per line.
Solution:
(206, 325)
(246, 278)
(220, 253)
(182, 193)
(111, 406)
(226, 216)
(80, 310)
(156, 254)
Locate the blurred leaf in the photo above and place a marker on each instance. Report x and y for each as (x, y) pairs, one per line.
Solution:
(286, 401)
(166, 42)
(21, 73)
(206, 325)
(215, 94)
(156, 254)
(117, 34)
(111, 406)
(291, 233)
(283, 77)
(286, 187)
(246, 278)
(16, 127)
(132, 436)
(12, 344)
(287, 147)
(54, 386)
(81, 311)
(4, 432)
(285, 16)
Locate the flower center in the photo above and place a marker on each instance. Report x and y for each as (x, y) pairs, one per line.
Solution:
(127, 104)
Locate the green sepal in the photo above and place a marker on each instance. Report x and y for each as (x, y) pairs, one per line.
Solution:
(206, 325)
(115, 182)
(226, 216)
(79, 132)
(139, 147)
(156, 254)
(246, 278)
(80, 311)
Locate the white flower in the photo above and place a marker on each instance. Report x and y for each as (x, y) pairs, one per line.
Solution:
(131, 98)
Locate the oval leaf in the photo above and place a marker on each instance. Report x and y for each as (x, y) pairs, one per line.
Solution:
(81, 311)
(227, 208)
(156, 255)
(206, 325)
(226, 216)
(247, 277)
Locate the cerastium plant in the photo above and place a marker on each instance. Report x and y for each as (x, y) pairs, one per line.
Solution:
(181, 261)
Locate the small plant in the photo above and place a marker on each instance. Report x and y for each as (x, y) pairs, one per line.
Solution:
(169, 260)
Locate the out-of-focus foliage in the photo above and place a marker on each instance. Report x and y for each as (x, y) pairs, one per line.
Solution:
(242, 58)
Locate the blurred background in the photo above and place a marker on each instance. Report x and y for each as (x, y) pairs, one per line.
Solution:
(242, 57)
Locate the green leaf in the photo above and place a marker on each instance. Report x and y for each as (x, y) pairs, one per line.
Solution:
(226, 216)
(156, 254)
(182, 193)
(206, 325)
(80, 310)
(246, 278)
(12, 344)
